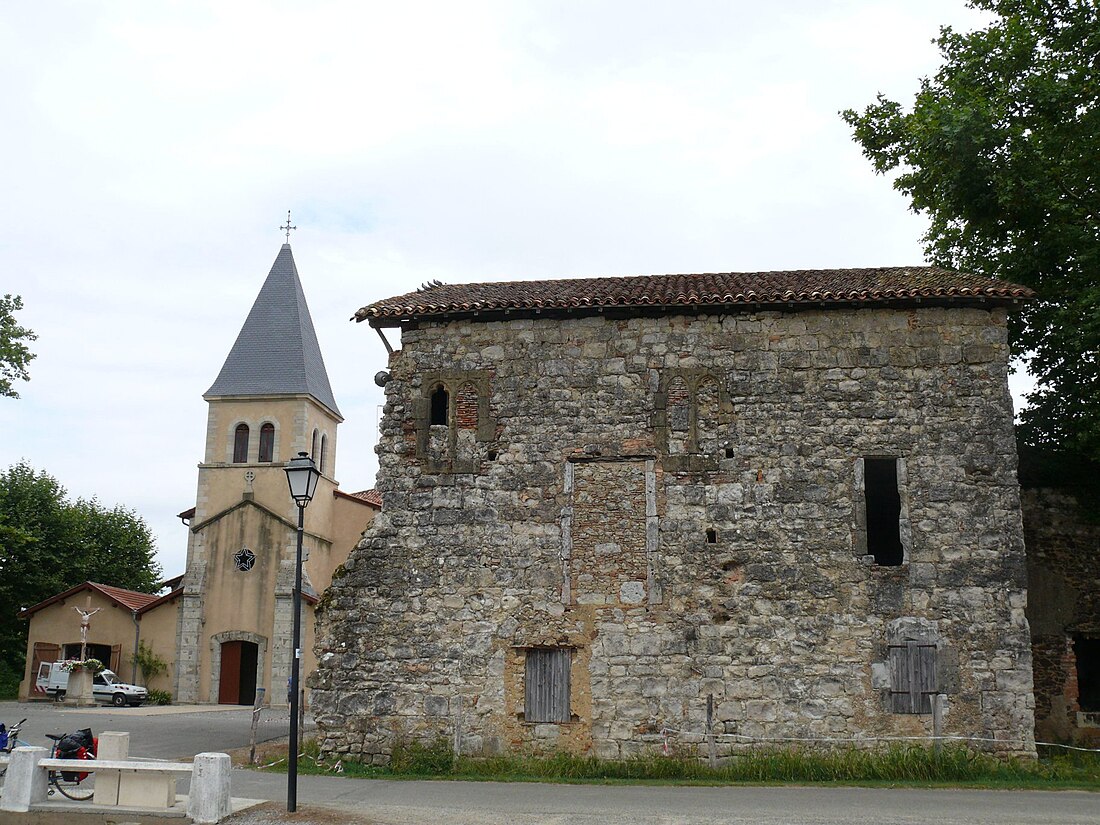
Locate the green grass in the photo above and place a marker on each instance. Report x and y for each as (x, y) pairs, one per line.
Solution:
(912, 765)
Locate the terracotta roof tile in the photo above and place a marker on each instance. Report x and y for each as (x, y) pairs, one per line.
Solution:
(130, 599)
(369, 496)
(710, 290)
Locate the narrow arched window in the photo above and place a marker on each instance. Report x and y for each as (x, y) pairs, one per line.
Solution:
(323, 466)
(440, 402)
(316, 443)
(240, 444)
(267, 442)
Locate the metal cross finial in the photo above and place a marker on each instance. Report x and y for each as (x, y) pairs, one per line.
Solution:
(288, 227)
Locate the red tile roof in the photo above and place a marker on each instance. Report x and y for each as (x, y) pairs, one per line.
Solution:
(130, 599)
(369, 496)
(699, 292)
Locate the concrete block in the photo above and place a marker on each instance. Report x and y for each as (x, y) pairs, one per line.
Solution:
(112, 745)
(144, 790)
(208, 801)
(25, 782)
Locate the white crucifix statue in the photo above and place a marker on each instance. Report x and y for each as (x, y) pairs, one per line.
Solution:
(85, 620)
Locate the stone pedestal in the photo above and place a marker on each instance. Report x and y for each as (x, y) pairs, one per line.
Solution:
(79, 691)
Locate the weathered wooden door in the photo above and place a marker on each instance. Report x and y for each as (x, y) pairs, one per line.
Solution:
(42, 652)
(229, 684)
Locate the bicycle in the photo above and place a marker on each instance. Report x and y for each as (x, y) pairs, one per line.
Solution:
(77, 746)
(9, 741)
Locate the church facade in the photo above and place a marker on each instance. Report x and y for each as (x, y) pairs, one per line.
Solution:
(748, 508)
(225, 624)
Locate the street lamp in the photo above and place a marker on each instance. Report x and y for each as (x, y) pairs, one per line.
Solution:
(301, 475)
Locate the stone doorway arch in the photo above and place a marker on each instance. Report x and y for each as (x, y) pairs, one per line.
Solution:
(216, 642)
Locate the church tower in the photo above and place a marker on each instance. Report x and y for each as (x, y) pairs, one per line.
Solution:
(271, 400)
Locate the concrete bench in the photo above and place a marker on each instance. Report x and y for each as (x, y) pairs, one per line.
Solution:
(122, 783)
(96, 765)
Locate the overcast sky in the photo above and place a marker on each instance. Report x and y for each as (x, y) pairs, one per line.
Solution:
(151, 149)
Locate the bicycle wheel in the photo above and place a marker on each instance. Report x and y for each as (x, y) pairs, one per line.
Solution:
(79, 790)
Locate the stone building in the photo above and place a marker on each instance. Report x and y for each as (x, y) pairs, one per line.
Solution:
(1062, 531)
(610, 501)
(225, 626)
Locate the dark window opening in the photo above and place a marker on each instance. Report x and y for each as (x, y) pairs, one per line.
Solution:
(546, 685)
(492, 455)
(729, 452)
(1087, 653)
(912, 668)
(313, 449)
(880, 481)
(712, 536)
(267, 442)
(240, 444)
(440, 402)
(322, 465)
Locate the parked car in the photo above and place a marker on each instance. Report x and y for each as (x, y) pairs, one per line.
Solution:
(53, 678)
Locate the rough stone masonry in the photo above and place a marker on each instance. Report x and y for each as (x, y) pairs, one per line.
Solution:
(596, 520)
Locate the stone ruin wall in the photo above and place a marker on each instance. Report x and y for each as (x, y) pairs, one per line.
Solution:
(682, 553)
(1063, 565)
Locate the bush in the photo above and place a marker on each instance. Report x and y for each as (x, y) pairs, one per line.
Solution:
(159, 697)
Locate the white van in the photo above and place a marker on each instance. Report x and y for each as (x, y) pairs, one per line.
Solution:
(53, 679)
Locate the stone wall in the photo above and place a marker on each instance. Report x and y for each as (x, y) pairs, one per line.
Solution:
(677, 501)
(1063, 565)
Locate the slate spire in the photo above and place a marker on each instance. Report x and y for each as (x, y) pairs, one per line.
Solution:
(276, 352)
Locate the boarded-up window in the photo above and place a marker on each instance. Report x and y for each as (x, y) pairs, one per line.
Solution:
(679, 405)
(912, 677)
(880, 479)
(466, 408)
(706, 416)
(546, 689)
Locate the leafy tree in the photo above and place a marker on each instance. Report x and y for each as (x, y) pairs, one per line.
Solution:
(14, 354)
(49, 544)
(1002, 151)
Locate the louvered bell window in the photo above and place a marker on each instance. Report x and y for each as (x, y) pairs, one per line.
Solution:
(546, 692)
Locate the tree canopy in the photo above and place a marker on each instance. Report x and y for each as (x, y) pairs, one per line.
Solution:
(14, 353)
(1001, 150)
(49, 544)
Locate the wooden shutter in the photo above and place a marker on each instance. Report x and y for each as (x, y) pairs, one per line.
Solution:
(546, 689)
(116, 658)
(912, 669)
(42, 652)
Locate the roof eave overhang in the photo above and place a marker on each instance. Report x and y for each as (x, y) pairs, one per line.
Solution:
(650, 310)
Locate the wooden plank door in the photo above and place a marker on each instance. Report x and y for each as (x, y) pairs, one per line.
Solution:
(229, 685)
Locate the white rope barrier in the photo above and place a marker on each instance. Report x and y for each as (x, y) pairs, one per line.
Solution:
(858, 739)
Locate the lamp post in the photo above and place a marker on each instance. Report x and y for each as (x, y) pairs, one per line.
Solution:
(301, 475)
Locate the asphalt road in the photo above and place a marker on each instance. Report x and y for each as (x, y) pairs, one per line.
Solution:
(384, 802)
(156, 732)
(180, 732)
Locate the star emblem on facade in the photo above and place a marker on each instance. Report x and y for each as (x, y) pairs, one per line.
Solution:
(244, 559)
